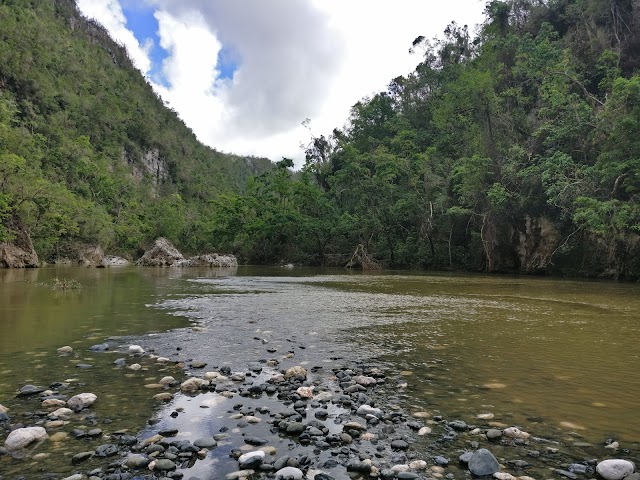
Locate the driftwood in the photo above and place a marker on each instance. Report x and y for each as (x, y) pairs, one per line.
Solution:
(361, 257)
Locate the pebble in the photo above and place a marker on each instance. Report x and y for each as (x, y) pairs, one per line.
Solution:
(65, 350)
(206, 442)
(514, 432)
(23, 437)
(424, 431)
(101, 347)
(137, 461)
(251, 460)
(192, 385)
(82, 400)
(164, 464)
(163, 397)
(289, 473)
(365, 410)
(296, 372)
(503, 476)
(135, 349)
(135, 367)
(239, 474)
(81, 457)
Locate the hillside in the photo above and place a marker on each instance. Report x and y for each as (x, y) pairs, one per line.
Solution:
(515, 150)
(89, 155)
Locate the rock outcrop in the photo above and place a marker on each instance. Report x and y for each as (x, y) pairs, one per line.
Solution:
(20, 252)
(162, 254)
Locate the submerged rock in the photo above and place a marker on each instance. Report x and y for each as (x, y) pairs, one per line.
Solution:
(82, 400)
(23, 437)
(483, 463)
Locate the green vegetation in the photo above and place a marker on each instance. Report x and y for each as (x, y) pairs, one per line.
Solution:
(88, 153)
(517, 150)
(514, 151)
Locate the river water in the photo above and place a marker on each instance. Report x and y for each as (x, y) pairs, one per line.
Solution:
(559, 358)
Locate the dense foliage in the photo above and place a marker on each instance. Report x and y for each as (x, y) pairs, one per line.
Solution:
(88, 153)
(515, 150)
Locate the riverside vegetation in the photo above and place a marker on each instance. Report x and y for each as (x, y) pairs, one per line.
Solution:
(511, 150)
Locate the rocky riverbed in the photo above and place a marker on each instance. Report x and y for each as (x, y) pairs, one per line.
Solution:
(277, 415)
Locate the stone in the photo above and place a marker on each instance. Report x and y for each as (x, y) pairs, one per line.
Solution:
(168, 380)
(255, 441)
(113, 261)
(615, 469)
(53, 403)
(81, 457)
(251, 460)
(305, 392)
(23, 437)
(82, 400)
(61, 413)
(483, 463)
(424, 431)
(137, 461)
(135, 349)
(418, 465)
(364, 410)
(503, 476)
(65, 350)
(20, 252)
(165, 465)
(514, 432)
(192, 385)
(365, 381)
(209, 260)
(399, 445)
(493, 434)
(206, 442)
(296, 372)
(135, 367)
(198, 364)
(29, 390)
(3, 409)
(162, 254)
(239, 474)
(289, 473)
(163, 397)
(107, 450)
(101, 347)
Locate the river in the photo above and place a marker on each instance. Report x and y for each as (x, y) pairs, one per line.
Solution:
(552, 356)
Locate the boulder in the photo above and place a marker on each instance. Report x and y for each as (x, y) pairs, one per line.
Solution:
(615, 469)
(23, 437)
(162, 254)
(90, 255)
(209, 260)
(192, 385)
(296, 372)
(13, 256)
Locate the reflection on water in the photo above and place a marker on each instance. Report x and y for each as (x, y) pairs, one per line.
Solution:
(553, 356)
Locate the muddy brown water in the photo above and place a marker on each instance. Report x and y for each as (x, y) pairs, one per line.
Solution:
(559, 358)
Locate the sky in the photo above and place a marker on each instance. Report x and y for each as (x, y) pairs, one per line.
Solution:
(245, 74)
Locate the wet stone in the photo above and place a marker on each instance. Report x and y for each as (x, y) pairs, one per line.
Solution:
(107, 450)
(207, 442)
(28, 390)
(81, 457)
(165, 465)
(399, 445)
(255, 441)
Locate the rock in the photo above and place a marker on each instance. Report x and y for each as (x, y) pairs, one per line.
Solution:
(137, 461)
(615, 469)
(513, 432)
(82, 400)
(53, 403)
(251, 460)
(483, 463)
(113, 261)
(3, 409)
(65, 350)
(136, 349)
(20, 252)
(167, 381)
(458, 425)
(135, 367)
(76, 476)
(424, 431)
(162, 254)
(100, 347)
(239, 474)
(465, 457)
(289, 473)
(399, 445)
(209, 260)
(503, 476)
(255, 441)
(163, 397)
(418, 465)
(364, 410)
(81, 457)
(23, 437)
(206, 442)
(192, 385)
(493, 434)
(296, 372)
(107, 450)
(62, 413)
(199, 365)
(305, 392)
(365, 381)
(165, 465)
(89, 255)
(29, 390)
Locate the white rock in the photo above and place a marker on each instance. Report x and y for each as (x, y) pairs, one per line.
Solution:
(289, 473)
(162, 360)
(136, 349)
(167, 380)
(53, 403)
(65, 350)
(365, 381)
(418, 465)
(62, 413)
(323, 397)
(485, 416)
(23, 437)
(365, 410)
(503, 476)
(192, 385)
(250, 456)
(82, 400)
(239, 474)
(3, 409)
(424, 431)
(77, 476)
(513, 432)
(615, 469)
(305, 392)
(613, 446)
(135, 366)
(211, 375)
(400, 468)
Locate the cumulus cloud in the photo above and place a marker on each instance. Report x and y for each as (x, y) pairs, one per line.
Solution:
(295, 59)
(109, 13)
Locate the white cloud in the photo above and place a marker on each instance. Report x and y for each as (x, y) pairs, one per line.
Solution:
(297, 59)
(109, 14)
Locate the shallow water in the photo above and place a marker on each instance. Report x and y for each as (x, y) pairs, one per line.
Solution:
(557, 357)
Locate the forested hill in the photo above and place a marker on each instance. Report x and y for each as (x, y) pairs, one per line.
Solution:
(89, 155)
(515, 150)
